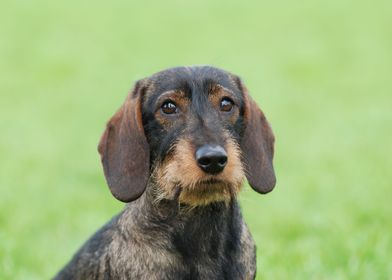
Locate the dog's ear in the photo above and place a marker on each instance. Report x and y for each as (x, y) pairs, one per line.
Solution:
(257, 146)
(124, 150)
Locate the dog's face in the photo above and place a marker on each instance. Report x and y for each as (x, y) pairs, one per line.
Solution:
(194, 133)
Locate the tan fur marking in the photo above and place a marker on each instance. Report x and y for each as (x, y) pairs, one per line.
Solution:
(182, 103)
(218, 92)
(181, 171)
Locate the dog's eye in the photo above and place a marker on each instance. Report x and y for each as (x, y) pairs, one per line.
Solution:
(226, 104)
(168, 107)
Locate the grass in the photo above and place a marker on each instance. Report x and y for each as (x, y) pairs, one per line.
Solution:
(321, 71)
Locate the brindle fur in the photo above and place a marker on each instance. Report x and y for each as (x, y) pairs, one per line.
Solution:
(174, 226)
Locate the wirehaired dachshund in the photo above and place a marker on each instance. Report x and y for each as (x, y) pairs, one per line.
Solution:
(177, 152)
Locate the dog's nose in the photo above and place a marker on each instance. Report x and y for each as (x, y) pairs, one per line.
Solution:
(211, 159)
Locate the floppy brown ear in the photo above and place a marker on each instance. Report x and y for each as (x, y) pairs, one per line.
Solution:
(258, 147)
(124, 150)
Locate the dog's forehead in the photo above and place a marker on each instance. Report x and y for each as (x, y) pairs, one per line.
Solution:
(196, 79)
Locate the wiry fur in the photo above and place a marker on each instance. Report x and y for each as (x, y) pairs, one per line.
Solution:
(164, 241)
(180, 222)
(181, 172)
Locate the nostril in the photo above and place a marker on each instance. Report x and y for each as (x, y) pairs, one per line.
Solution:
(211, 159)
(222, 160)
(204, 161)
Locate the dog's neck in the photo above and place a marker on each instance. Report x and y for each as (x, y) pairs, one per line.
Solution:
(197, 225)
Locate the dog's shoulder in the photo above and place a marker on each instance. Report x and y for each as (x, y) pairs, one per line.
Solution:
(248, 255)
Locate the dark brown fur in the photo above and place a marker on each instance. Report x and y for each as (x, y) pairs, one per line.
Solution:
(180, 222)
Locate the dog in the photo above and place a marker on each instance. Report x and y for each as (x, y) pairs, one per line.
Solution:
(177, 152)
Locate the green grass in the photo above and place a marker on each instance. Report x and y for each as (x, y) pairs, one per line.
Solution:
(321, 71)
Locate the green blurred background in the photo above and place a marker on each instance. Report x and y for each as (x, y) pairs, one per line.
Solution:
(320, 70)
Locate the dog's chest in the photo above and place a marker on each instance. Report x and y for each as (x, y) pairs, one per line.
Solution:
(151, 262)
(187, 254)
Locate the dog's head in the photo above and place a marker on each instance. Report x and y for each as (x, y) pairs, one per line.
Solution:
(194, 132)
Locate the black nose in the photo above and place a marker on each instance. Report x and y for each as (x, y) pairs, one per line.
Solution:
(212, 159)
